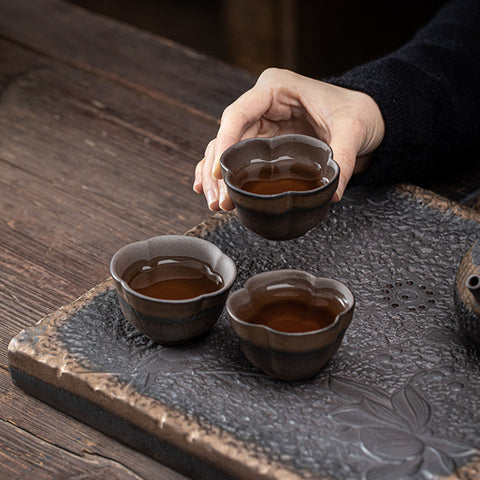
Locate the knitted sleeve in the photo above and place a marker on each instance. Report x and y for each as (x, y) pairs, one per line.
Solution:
(429, 94)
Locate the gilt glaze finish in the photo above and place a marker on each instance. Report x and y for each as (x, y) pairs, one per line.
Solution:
(400, 396)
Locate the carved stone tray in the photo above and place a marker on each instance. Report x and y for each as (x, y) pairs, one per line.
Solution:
(400, 399)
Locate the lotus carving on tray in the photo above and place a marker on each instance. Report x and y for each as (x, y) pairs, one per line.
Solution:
(394, 431)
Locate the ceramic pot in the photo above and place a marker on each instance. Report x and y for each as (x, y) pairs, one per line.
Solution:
(467, 293)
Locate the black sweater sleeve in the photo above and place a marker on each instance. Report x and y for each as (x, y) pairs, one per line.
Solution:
(429, 94)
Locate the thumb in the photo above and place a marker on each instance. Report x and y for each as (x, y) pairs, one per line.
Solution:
(345, 150)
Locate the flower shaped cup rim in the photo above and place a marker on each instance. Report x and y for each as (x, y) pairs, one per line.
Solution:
(313, 281)
(273, 143)
(149, 243)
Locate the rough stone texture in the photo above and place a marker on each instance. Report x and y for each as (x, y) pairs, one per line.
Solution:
(400, 397)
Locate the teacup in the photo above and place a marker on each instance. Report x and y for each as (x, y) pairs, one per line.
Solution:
(280, 186)
(181, 308)
(290, 323)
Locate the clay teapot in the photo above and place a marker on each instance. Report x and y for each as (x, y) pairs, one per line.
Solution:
(467, 293)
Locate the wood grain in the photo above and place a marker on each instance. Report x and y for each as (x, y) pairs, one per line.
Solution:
(156, 66)
(90, 160)
(87, 168)
(31, 448)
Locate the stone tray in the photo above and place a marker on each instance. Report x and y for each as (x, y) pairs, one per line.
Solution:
(400, 399)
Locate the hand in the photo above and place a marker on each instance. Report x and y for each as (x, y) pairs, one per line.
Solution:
(284, 102)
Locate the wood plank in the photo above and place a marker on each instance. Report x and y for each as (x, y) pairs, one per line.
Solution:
(86, 168)
(87, 165)
(70, 450)
(59, 227)
(28, 291)
(80, 139)
(86, 124)
(158, 67)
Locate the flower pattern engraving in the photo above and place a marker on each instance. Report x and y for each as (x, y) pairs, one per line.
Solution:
(394, 432)
(385, 348)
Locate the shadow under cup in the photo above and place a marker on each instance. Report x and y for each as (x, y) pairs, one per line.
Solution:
(291, 213)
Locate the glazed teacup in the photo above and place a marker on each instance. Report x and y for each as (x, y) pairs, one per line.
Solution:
(290, 323)
(170, 321)
(291, 209)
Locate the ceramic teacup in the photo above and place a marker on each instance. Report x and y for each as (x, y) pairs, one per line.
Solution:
(290, 322)
(290, 213)
(168, 321)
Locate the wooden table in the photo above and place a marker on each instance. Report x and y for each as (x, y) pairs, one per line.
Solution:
(101, 126)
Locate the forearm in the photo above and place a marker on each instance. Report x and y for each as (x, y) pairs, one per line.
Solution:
(428, 94)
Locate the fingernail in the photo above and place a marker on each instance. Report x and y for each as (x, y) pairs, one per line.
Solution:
(223, 196)
(211, 197)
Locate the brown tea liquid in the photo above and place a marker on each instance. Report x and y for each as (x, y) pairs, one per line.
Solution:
(298, 312)
(280, 175)
(172, 278)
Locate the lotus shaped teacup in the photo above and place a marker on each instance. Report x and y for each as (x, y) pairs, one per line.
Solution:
(290, 322)
(280, 186)
(172, 288)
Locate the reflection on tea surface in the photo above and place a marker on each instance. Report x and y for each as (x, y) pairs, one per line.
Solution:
(281, 175)
(172, 278)
(293, 310)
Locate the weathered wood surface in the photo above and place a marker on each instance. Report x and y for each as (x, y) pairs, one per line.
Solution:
(86, 168)
(139, 60)
(37, 442)
(101, 126)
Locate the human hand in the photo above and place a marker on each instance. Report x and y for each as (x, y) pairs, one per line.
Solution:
(284, 102)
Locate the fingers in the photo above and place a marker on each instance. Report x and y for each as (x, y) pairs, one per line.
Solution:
(225, 202)
(215, 190)
(223, 143)
(237, 119)
(344, 160)
(345, 141)
(198, 182)
(267, 109)
(210, 189)
(203, 178)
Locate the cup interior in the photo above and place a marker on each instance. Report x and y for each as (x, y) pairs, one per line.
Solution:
(303, 151)
(172, 246)
(290, 287)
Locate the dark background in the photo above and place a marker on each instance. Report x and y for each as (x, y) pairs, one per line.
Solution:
(316, 38)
